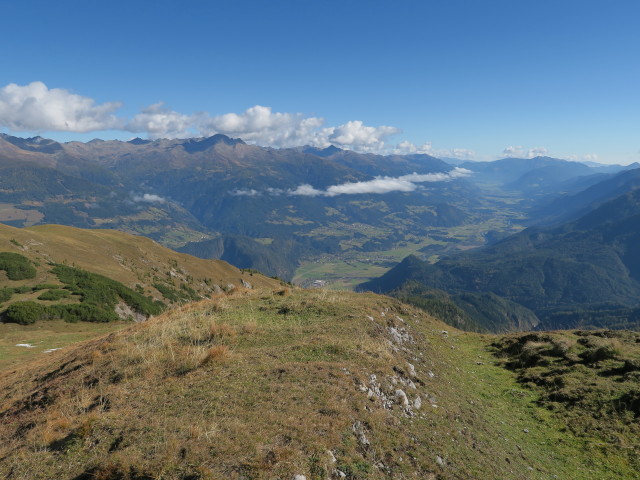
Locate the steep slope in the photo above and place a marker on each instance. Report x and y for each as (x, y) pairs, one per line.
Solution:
(588, 264)
(123, 257)
(571, 207)
(74, 274)
(277, 384)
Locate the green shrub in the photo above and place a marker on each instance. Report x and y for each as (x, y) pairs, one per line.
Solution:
(102, 292)
(600, 353)
(174, 295)
(54, 295)
(5, 294)
(18, 267)
(45, 286)
(23, 289)
(79, 312)
(25, 313)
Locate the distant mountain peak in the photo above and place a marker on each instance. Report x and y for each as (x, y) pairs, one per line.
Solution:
(139, 141)
(194, 145)
(322, 152)
(34, 144)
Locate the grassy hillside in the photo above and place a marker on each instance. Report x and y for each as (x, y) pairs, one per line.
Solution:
(52, 272)
(131, 260)
(277, 383)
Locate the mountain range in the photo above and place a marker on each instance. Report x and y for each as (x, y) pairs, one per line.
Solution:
(273, 209)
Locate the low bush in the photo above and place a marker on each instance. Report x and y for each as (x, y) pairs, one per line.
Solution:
(23, 289)
(600, 353)
(18, 267)
(25, 313)
(5, 294)
(54, 295)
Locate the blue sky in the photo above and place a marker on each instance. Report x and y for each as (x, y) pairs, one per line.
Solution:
(474, 79)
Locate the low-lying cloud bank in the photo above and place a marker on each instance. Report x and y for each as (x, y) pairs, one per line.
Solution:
(379, 185)
(37, 108)
(148, 198)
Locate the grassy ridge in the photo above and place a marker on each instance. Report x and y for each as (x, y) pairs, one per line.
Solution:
(264, 384)
(136, 262)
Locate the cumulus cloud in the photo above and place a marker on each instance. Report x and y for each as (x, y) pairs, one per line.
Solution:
(536, 152)
(149, 198)
(262, 126)
(160, 122)
(36, 108)
(357, 136)
(408, 148)
(520, 152)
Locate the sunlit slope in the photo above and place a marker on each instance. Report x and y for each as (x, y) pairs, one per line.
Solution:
(278, 383)
(123, 257)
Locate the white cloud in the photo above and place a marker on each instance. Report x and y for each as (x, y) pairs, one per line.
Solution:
(357, 136)
(245, 192)
(306, 190)
(408, 148)
(520, 152)
(379, 185)
(260, 125)
(514, 152)
(36, 108)
(149, 198)
(536, 152)
(160, 122)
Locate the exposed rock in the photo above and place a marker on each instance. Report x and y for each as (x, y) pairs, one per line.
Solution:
(400, 335)
(417, 403)
(125, 312)
(359, 431)
(401, 398)
(332, 457)
(299, 477)
(440, 461)
(246, 284)
(412, 370)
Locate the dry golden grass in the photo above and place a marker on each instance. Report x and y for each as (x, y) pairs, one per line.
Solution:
(221, 331)
(127, 258)
(216, 354)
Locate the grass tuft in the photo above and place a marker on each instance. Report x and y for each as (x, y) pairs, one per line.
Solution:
(216, 354)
